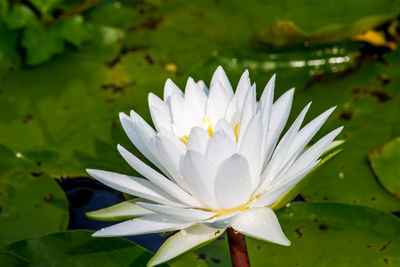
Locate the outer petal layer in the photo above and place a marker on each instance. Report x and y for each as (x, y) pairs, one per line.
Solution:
(260, 223)
(194, 236)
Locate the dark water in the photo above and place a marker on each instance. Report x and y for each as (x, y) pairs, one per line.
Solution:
(87, 195)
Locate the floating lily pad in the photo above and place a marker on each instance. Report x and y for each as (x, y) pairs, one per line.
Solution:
(385, 161)
(322, 234)
(31, 202)
(78, 248)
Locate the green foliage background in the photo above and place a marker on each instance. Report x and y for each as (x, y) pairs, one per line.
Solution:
(68, 67)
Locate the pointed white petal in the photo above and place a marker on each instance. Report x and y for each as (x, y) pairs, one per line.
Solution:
(170, 88)
(217, 103)
(134, 186)
(199, 174)
(153, 223)
(183, 114)
(250, 148)
(314, 152)
(266, 110)
(232, 184)
(196, 97)
(307, 132)
(279, 115)
(141, 135)
(203, 86)
(157, 178)
(268, 93)
(178, 213)
(193, 237)
(220, 147)
(220, 76)
(243, 88)
(159, 112)
(248, 111)
(260, 223)
(279, 159)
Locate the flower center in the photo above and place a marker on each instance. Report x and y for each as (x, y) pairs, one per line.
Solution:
(208, 126)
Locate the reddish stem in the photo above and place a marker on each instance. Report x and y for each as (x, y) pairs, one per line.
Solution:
(238, 249)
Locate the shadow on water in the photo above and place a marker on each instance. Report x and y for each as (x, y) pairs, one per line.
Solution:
(86, 195)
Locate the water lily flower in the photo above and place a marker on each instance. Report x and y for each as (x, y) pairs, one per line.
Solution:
(221, 161)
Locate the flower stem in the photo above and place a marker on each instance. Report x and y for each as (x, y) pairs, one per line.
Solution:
(238, 249)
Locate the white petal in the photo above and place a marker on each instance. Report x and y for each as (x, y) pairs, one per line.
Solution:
(221, 221)
(134, 186)
(224, 126)
(196, 97)
(159, 112)
(199, 174)
(170, 89)
(266, 110)
(170, 151)
(279, 159)
(178, 213)
(232, 113)
(314, 152)
(141, 135)
(203, 86)
(183, 114)
(220, 147)
(260, 223)
(307, 132)
(279, 115)
(153, 223)
(157, 178)
(248, 111)
(250, 148)
(232, 184)
(268, 93)
(280, 186)
(243, 88)
(217, 103)
(220, 76)
(187, 239)
(198, 140)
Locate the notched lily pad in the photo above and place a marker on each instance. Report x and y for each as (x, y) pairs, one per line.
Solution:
(385, 162)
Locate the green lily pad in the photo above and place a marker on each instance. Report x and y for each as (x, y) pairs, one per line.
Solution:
(31, 202)
(322, 234)
(9, 259)
(385, 162)
(78, 248)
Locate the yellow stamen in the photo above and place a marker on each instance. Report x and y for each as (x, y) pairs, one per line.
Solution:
(184, 139)
(227, 211)
(236, 130)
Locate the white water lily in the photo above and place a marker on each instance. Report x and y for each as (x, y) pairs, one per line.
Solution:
(219, 163)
